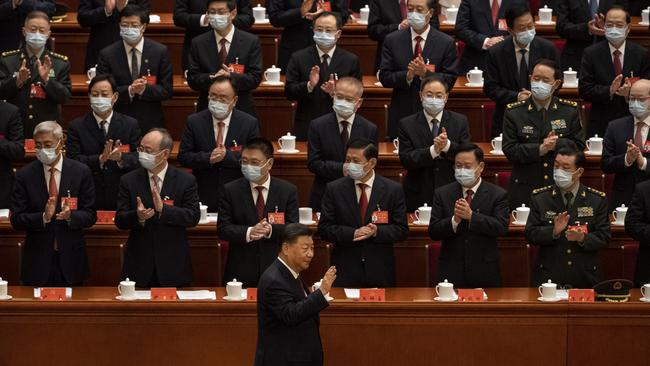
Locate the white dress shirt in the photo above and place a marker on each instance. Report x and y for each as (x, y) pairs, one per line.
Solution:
(518, 53)
(57, 177)
(430, 119)
(107, 119)
(228, 38)
(621, 56)
(350, 122)
(368, 184)
(454, 225)
(265, 195)
(644, 134)
(161, 177)
(226, 125)
(424, 36)
(293, 273)
(138, 52)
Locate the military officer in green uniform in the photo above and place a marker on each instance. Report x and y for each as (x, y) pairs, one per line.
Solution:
(570, 224)
(534, 128)
(34, 78)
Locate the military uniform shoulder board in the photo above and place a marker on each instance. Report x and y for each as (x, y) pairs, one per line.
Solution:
(568, 102)
(597, 192)
(59, 56)
(516, 104)
(543, 189)
(9, 53)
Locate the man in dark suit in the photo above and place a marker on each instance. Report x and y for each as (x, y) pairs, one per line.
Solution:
(427, 144)
(581, 24)
(11, 148)
(387, 17)
(626, 147)
(53, 201)
(287, 312)
(467, 212)
(104, 140)
(142, 69)
(363, 215)
(606, 69)
(329, 136)
(312, 71)
(480, 25)
(157, 203)
(225, 51)
(33, 78)
(534, 129)
(12, 19)
(212, 139)
(507, 71)
(637, 225)
(253, 212)
(295, 17)
(194, 17)
(570, 224)
(411, 54)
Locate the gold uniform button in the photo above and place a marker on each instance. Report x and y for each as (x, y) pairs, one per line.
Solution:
(31, 106)
(31, 117)
(569, 263)
(545, 177)
(545, 165)
(568, 251)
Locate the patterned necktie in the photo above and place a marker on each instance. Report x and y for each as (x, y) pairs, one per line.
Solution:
(523, 70)
(259, 203)
(222, 51)
(220, 128)
(324, 68)
(618, 68)
(418, 46)
(435, 127)
(402, 8)
(345, 135)
(363, 202)
(102, 127)
(638, 136)
(135, 70)
(495, 11)
(53, 191)
(155, 185)
(469, 195)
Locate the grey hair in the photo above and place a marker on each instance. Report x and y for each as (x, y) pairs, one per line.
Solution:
(167, 142)
(49, 127)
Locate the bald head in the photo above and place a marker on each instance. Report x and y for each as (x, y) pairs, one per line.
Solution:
(640, 89)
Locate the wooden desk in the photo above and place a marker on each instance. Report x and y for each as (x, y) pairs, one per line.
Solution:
(511, 328)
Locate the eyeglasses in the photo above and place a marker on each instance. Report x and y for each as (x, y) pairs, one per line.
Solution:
(638, 99)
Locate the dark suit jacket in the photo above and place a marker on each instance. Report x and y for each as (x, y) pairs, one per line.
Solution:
(104, 30)
(425, 174)
(287, 321)
(237, 212)
(370, 262)
(297, 32)
(597, 74)
(501, 75)
(27, 205)
(326, 155)
(469, 257)
(187, 14)
(317, 103)
(197, 143)
(384, 19)
(613, 162)
(474, 25)
(12, 20)
(146, 108)
(204, 60)
(11, 148)
(86, 143)
(161, 244)
(637, 225)
(397, 53)
(571, 24)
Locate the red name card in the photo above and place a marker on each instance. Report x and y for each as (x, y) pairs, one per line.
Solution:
(53, 294)
(163, 294)
(581, 295)
(372, 295)
(470, 295)
(251, 294)
(30, 145)
(327, 6)
(105, 217)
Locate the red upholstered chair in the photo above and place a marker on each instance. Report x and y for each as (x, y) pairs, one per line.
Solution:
(585, 110)
(222, 257)
(630, 252)
(559, 46)
(433, 253)
(534, 6)
(607, 183)
(487, 111)
(460, 49)
(502, 179)
(533, 253)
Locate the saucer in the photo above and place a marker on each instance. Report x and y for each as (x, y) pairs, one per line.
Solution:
(519, 223)
(418, 222)
(644, 23)
(438, 298)
(472, 85)
(119, 297)
(7, 297)
(379, 84)
(494, 152)
(241, 298)
(330, 298)
(265, 21)
(543, 299)
(570, 86)
(87, 81)
(643, 299)
(593, 153)
(312, 222)
(272, 83)
(294, 151)
(544, 23)
(362, 22)
(451, 22)
(395, 151)
(614, 223)
(201, 222)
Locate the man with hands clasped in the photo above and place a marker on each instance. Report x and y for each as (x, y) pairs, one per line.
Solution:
(570, 224)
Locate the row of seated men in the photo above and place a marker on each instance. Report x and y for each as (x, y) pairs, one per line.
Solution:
(37, 80)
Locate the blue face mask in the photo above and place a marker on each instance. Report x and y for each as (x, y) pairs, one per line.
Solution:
(130, 35)
(466, 177)
(433, 106)
(540, 90)
(252, 173)
(615, 35)
(638, 109)
(343, 108)
(324, 39)
(218, 21)
(355, 171)
(218, 109)
(525, 37)
(417, 20)
(100, 104)
(35, 40)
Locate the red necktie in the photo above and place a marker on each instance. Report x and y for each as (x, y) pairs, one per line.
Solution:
(259, 203)
(402, 8)
(495, 11)
(222, 51)
(220, 126)
(618, 68)
(53, 191)
(469, 194)
(418, 46)
(638, 136)
(363, 202)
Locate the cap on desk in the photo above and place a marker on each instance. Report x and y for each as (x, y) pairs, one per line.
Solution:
(613, 290)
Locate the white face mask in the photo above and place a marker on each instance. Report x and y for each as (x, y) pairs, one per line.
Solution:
(35, 40)
(101, 105)
(355, 171)
(562, 178)
(541, 90)
(343, 108)
(131, 35)
(218, 109)
(47, 156)
(219, 21)
(148, 161)
(433, 106)
(466, 177)
(324, 39)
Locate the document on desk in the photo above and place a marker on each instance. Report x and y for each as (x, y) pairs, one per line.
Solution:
(68, 292)
(352, 293)
(197, 295)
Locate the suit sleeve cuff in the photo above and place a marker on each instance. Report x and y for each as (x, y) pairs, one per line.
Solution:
(433, 152)
(248, 234)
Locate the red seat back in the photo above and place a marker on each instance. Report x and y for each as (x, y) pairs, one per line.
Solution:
(433, 253)
(460, 49)
(502, 179)
(630, 252)
(559, 46)
(487, 113)
(533, 253)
